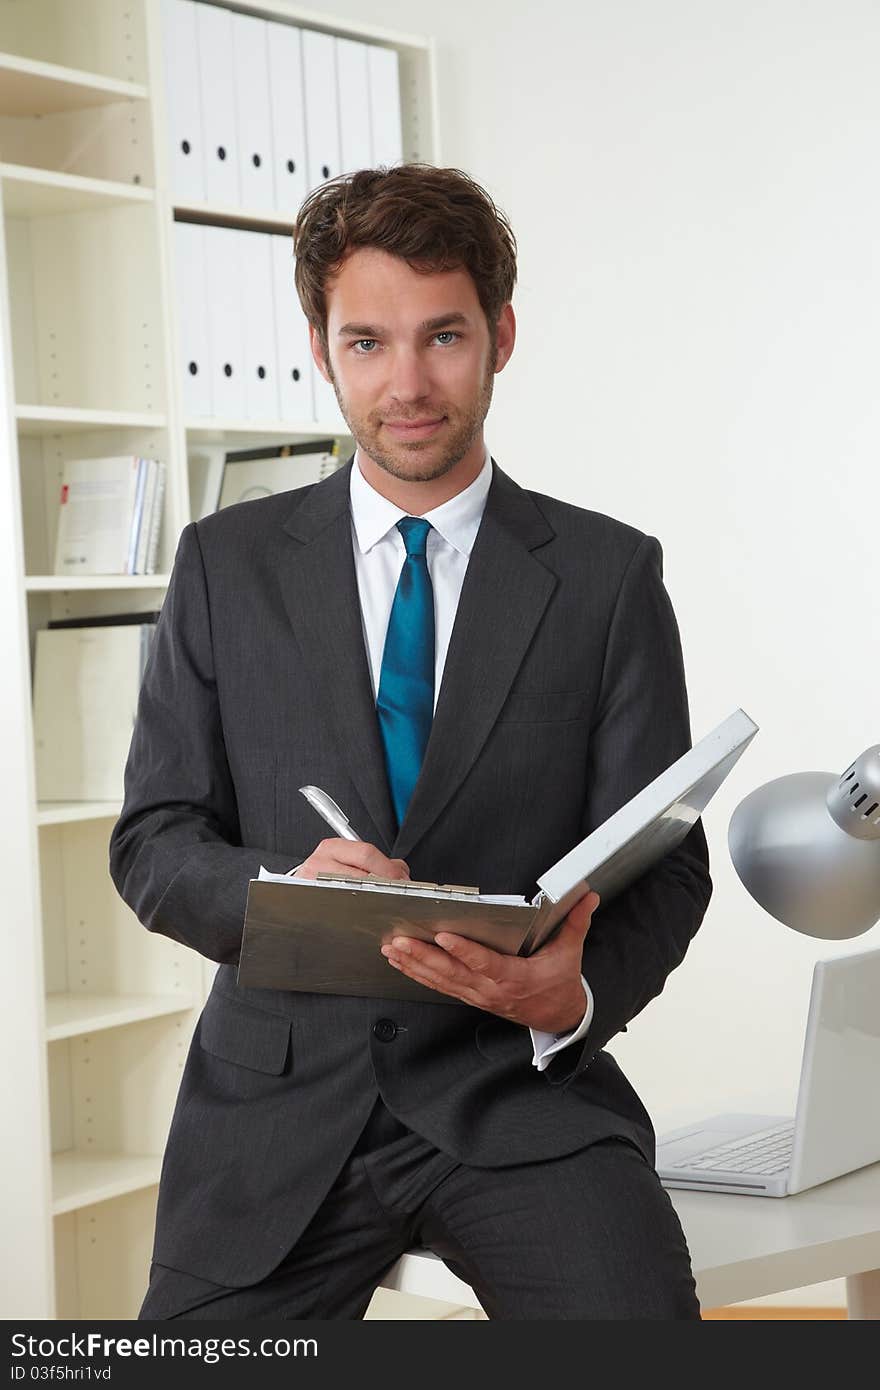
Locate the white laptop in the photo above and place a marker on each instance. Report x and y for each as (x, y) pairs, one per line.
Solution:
(836, 1126)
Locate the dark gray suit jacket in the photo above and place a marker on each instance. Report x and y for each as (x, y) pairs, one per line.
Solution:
(562, 695)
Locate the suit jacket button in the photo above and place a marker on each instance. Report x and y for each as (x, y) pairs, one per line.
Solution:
(385, 1030)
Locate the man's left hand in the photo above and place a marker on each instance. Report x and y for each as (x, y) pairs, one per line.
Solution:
(542, 991)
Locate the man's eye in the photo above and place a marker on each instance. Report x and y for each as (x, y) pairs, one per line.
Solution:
(357, 345)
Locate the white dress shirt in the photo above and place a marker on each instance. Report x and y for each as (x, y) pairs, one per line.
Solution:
(379, 553)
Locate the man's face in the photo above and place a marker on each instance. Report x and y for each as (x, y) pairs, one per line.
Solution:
(405, 349)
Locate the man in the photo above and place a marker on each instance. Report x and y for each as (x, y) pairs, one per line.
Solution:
(479, 675)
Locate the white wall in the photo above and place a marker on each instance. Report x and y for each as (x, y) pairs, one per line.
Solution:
(693, 188)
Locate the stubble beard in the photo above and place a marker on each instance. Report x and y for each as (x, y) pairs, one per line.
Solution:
(462, 429)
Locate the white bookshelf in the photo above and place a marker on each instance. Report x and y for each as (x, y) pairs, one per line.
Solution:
(98, 1012)
(56, 420)
(40, 192)
(68, 584)
(212, 214)
(220, 430)
(69, 1015)
(63, 812)
(79, 1180)
(29, 88)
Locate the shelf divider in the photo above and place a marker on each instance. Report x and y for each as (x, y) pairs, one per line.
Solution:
(31, 88)
(68, 1015)
(67, 419)
(35, 192)
(63, 812)
(80, 1179)
(59, 583)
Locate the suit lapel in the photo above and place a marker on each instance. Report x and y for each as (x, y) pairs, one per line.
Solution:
(319, 588)
(505, 593)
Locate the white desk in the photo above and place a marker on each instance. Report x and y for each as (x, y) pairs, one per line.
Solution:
(742, 1247)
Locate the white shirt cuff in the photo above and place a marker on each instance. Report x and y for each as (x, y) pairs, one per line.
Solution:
(546, 1045)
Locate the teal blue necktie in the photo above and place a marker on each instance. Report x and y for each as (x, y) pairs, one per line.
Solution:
(405, 703)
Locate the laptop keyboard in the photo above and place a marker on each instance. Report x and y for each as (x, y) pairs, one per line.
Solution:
(766, 1152)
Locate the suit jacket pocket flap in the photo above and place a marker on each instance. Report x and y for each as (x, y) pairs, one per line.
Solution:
(247, 1036)
(544, 707)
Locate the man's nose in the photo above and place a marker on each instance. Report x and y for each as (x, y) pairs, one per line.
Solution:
(410, 378)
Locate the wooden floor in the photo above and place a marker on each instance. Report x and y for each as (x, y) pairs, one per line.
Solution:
(762, 1314)
(388, 1304)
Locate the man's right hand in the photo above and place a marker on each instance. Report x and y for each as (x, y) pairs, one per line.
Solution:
(356, 858)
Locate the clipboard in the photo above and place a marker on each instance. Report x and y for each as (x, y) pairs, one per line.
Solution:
(324, 935)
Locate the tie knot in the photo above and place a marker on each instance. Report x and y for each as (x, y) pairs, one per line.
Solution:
(414, 530)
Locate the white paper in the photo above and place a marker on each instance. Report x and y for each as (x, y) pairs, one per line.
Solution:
(500, 899)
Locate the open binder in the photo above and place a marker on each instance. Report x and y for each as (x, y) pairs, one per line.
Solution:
(323, 935)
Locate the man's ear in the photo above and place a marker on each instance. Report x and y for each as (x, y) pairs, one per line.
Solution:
(315, 345)
(505, 337)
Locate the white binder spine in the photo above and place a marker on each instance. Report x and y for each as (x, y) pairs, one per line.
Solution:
(322, 111)
(260, 348)
(353, 83)
(293, 353)
(384, 75)
(180, 55)
(225, 321)
(217, 80)
(327, 413)
(192, 299)
(287, 103)
(253, 112)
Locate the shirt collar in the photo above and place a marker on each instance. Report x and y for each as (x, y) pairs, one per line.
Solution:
(457, 520)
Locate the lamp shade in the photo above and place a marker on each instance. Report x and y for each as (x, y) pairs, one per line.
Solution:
(807, 848)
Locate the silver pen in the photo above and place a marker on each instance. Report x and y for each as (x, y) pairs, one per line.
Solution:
(326, 807)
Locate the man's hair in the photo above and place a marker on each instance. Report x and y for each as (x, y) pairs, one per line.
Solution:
(434, 219)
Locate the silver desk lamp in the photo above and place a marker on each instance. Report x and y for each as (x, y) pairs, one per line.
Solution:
(807, 848)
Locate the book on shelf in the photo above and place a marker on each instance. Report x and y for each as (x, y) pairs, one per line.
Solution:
(137, 516)
(87, 679)
(107, 619)
(323, 935)
(156, 514)
(261, 472)
(142, 539)
(109, 515)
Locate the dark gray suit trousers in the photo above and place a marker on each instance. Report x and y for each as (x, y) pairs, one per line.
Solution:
(591, 1235)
